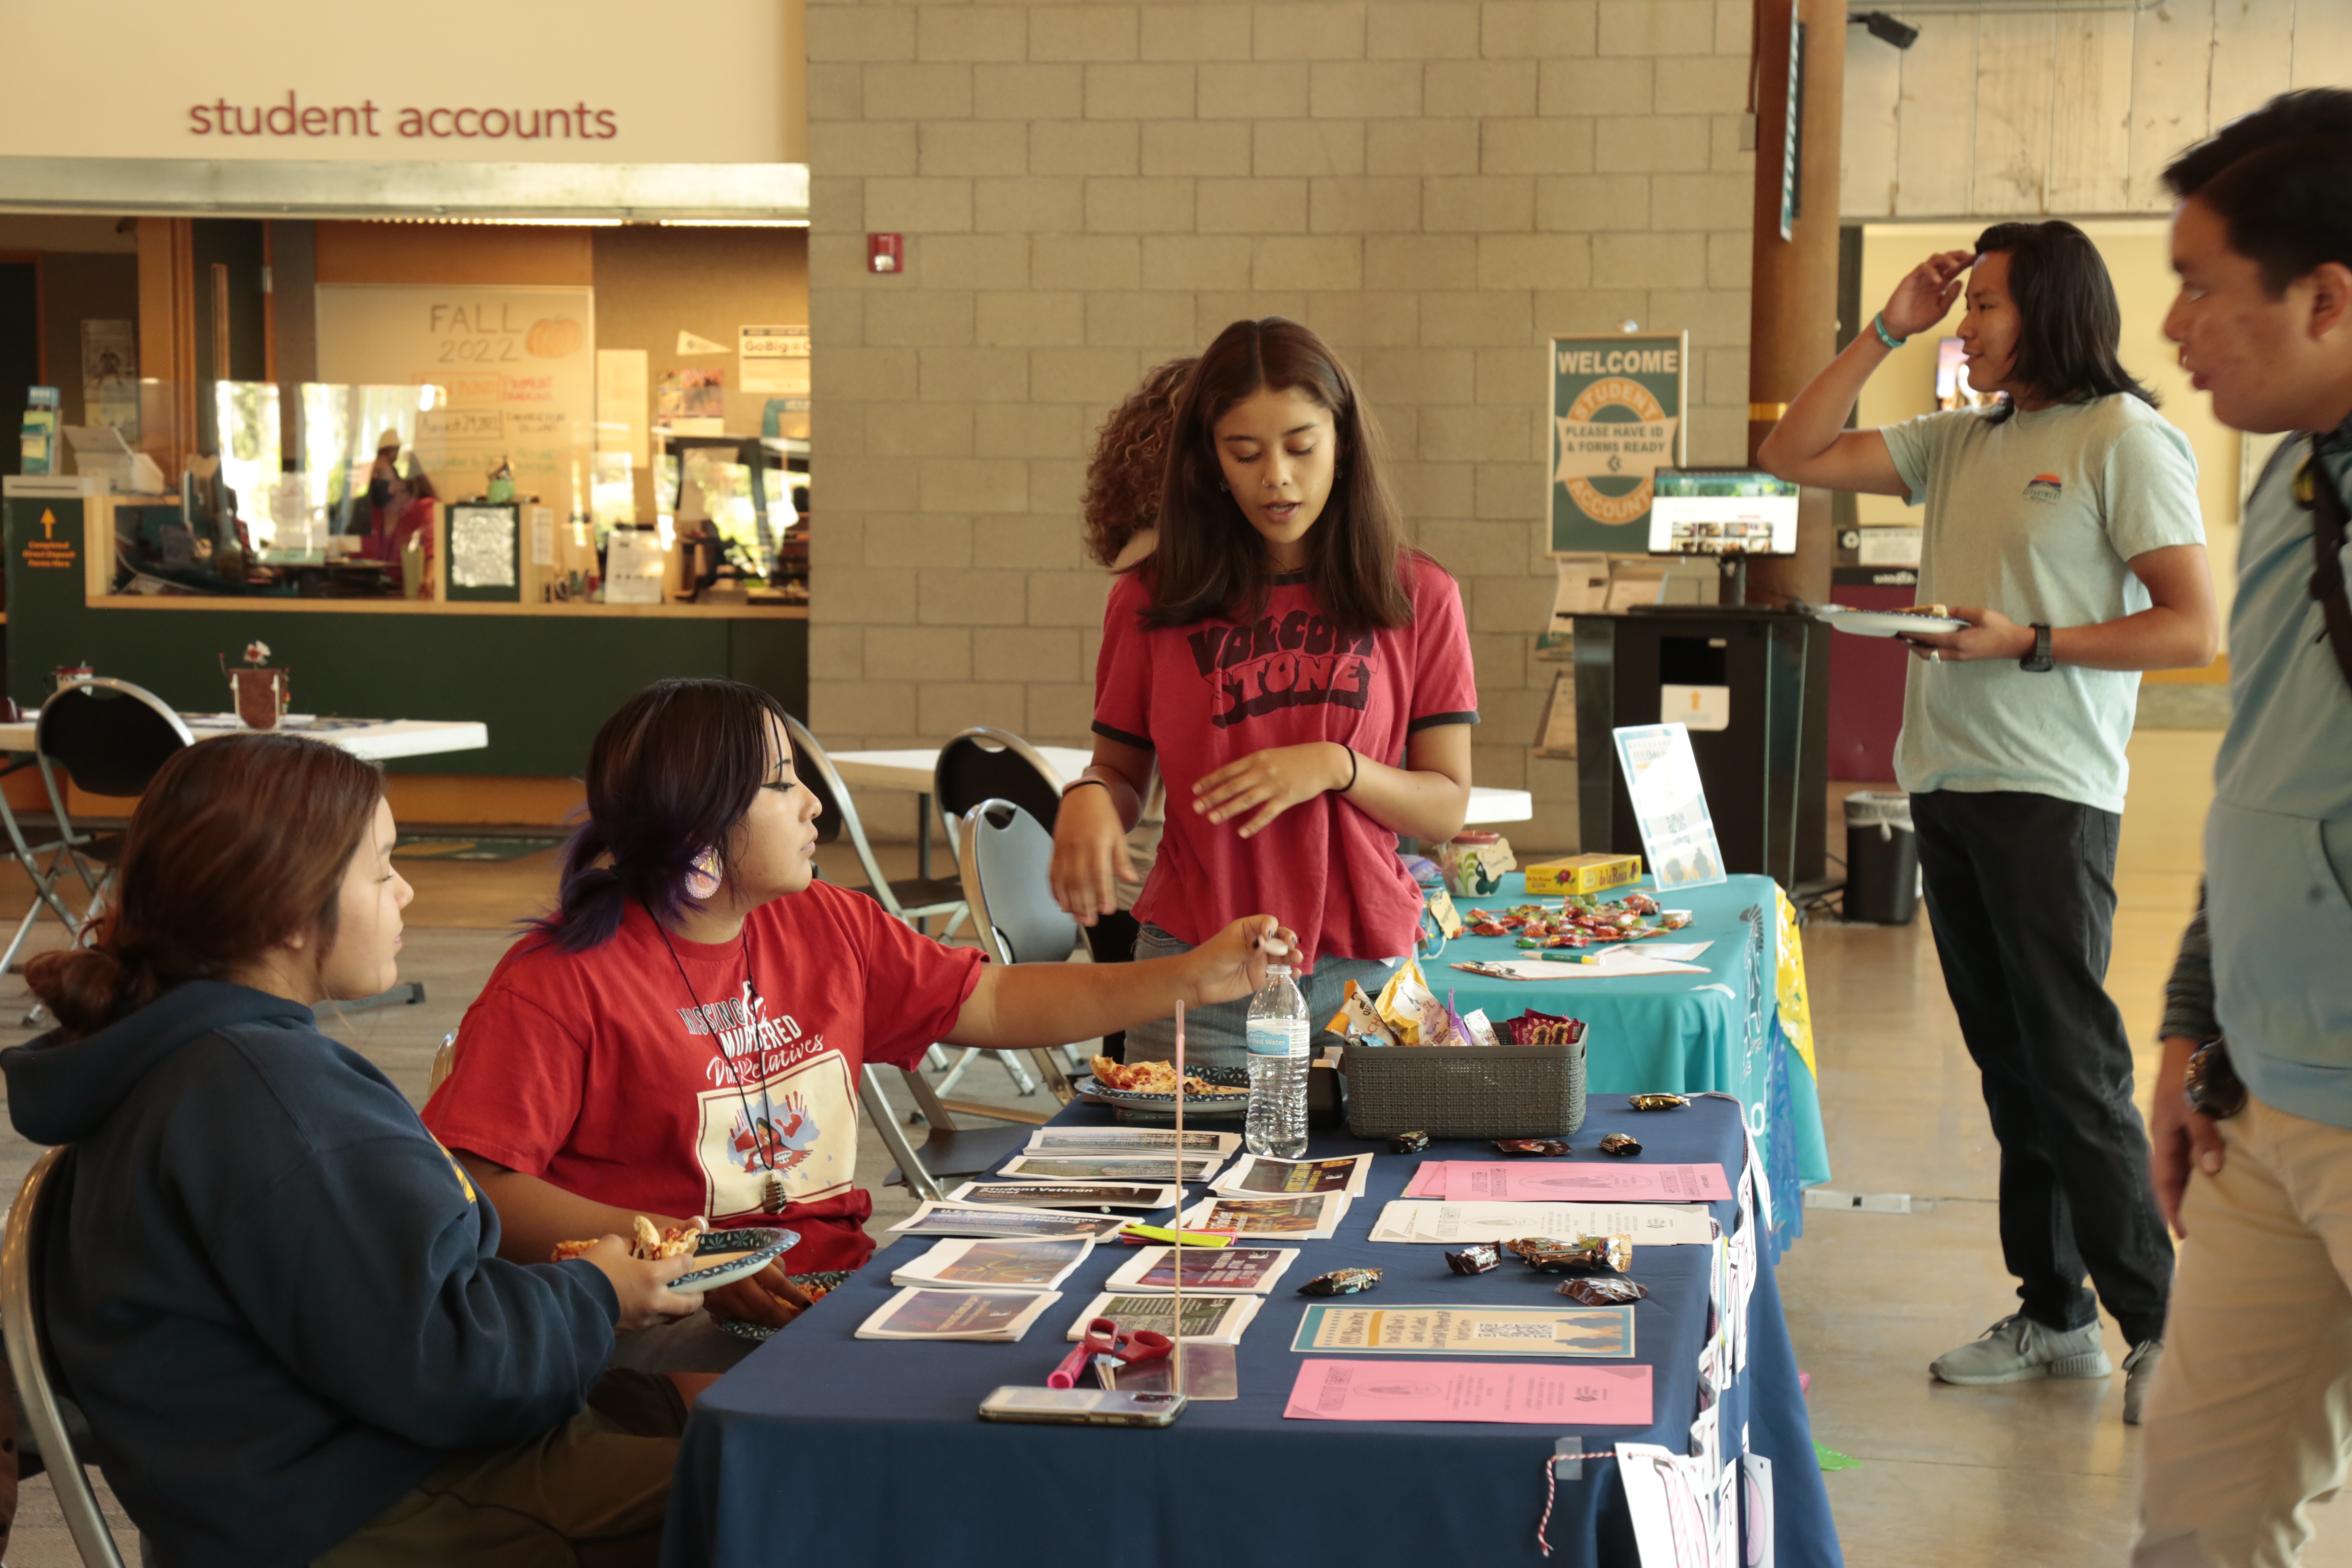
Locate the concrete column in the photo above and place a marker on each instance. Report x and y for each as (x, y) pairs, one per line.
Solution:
(1792, 330)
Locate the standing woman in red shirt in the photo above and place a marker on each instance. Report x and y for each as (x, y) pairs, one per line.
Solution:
(1302, 676)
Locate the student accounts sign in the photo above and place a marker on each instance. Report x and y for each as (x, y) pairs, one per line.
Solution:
(1617, 407)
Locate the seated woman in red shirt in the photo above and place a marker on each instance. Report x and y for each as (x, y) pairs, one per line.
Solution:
(684, 1035)
(1302, 676)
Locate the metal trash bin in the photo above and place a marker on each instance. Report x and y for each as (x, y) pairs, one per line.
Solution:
(1882, 859)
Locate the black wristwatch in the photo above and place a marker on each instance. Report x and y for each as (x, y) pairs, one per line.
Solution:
(2039, 661)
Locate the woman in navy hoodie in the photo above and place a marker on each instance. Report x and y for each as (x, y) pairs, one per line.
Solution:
(277, 1300)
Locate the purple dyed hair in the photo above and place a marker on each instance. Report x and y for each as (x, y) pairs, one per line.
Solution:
(670, 775)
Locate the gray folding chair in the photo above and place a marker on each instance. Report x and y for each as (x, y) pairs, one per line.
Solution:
(987, 764)
(45, 1410)
(1004, 855)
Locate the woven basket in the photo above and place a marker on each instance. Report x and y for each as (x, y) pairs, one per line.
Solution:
(1465, 1092)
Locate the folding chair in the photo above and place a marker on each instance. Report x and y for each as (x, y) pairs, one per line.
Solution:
(44, 1408)
(909, 899)
(985, 763)
(111, 738)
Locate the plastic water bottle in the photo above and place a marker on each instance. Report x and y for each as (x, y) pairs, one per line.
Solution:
(1277, 1035)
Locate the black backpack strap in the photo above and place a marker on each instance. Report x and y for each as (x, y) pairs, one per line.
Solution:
(2316, 490)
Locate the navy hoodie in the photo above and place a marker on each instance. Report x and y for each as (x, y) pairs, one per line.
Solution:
(277, 1298)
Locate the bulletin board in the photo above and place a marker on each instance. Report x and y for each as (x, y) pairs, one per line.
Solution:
(515, 366)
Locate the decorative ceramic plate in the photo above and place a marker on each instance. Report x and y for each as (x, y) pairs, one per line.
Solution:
(1091, 1088)
(1887, 623)
(734, 1255)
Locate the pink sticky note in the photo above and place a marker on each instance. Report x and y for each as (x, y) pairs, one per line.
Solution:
(1560, 1180)
(1470, 1391)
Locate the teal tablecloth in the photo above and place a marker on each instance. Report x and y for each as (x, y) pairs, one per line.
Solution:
(1719, 1030)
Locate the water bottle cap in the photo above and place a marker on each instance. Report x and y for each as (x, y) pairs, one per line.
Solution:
(1273, 970)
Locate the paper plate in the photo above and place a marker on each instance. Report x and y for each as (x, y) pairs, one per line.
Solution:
(758, 1248)
(1091, 1088)
(825, 1279)
(1889, 622)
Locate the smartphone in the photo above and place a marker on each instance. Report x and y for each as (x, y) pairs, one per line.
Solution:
(1082, 1407)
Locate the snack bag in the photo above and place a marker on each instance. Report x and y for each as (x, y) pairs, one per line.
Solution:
(1358, 1019)
(1407, 1006)
(1475, 1024)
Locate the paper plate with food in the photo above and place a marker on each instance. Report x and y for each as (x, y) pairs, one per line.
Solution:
(1208, 1091)
(723, 1256)
(1911, 621)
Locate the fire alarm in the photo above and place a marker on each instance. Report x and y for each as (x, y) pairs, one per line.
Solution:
(886, 252)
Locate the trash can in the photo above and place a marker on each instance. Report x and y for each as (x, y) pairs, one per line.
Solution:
(1882, 859)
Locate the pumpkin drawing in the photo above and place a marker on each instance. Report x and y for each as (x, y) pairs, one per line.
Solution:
(551, 337)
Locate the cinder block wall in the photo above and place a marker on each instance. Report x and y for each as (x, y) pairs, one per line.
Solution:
(1085, 189)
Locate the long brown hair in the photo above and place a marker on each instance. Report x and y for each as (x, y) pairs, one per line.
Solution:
(1121, 498)
(239, 845)
(1209, 560)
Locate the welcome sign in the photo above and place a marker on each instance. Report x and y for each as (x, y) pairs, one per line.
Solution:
(1617, 416)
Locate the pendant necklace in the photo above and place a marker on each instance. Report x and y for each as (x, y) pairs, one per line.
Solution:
(771, 1191)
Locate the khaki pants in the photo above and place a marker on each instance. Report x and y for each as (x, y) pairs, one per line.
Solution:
(2253, 1402)
(591, 1493)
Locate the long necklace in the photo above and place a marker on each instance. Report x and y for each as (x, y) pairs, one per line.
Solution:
(771, 1191)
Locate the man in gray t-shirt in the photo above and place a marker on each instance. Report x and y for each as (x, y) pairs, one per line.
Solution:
(2061, 527)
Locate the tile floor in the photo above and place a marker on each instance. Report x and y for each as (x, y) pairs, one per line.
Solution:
(2025, 1474)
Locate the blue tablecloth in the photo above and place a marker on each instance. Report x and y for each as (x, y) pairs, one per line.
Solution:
(1721, 1030)
(829, 1450)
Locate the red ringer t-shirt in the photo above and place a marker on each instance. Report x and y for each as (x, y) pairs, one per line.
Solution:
(1204, 695)
(598, 1072)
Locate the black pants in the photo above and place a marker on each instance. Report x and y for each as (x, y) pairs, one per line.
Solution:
(1111, 939)
(2021, 887)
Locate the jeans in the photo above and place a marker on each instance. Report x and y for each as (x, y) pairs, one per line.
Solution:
(1215, 1036)
(2020, 891)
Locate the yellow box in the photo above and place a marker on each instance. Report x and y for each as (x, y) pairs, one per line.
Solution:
(1582, 874)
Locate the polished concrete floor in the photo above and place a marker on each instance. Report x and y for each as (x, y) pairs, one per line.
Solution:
(2025, 1475)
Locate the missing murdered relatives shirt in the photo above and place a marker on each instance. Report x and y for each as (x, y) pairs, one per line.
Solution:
(2036, 517)
(1204, 695)
(599, 1073)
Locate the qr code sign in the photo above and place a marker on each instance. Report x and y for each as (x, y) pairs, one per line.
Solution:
(1511, 1332)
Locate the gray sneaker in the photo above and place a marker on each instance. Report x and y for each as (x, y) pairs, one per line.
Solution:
(2140, 1374)
(2018, 1348)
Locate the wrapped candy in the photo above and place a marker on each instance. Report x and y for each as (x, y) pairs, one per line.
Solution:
(1603, 1290)
(1408, 1143)
(1658, 1101)
(1522, 1246)
(1674, 920)
(1640, 903)
(1548, 1148)
(1623, 1144)
(1586, 1255)
(1534, 1028)
(1341, 1282)
(1475, 1259)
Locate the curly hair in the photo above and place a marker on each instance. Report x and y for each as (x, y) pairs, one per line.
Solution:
(1121, 498)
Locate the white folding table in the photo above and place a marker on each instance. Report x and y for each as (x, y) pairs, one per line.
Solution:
(912, 769)
(376, 739)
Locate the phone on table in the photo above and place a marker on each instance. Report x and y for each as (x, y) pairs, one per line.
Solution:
(1082, 1407)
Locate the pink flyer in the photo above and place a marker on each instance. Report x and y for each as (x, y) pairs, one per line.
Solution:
(1557, 1180)
(1470, 1391)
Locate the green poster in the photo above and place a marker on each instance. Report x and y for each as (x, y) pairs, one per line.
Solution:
(1617, 407)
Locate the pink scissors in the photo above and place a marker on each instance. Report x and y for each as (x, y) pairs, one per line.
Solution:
(1103, 1338)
